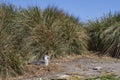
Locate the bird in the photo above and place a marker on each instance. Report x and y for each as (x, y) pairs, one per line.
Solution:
(45, 61)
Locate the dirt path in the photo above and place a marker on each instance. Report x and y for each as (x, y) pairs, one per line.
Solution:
(83, 66)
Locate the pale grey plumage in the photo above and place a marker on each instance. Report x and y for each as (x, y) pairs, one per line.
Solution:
(45, 61)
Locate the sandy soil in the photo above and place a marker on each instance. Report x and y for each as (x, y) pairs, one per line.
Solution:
(75, 65)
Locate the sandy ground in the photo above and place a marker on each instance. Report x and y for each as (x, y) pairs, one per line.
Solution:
(78, 65)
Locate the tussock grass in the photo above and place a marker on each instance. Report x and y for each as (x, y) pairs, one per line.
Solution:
(105, 34)
(26, 34)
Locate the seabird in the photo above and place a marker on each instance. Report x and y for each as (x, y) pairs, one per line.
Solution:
(45, 61)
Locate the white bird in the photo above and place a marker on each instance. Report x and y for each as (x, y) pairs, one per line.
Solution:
(45, 61)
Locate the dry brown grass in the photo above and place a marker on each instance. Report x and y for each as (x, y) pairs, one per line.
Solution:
(38, 71)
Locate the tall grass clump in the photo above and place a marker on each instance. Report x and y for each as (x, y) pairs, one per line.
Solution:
(105, 33)
(54, 31)
(110, 38)
(10, 65)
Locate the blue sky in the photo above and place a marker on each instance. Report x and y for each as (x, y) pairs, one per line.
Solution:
(84, 9)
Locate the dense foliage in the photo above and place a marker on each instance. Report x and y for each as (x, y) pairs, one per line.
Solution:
(9, 61)
(105, 35)
(25, 34)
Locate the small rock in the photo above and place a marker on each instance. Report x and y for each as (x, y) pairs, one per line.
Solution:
(63, 76)
(97, 68)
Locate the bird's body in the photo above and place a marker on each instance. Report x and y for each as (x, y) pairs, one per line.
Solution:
(40, 62)
(45, 61)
